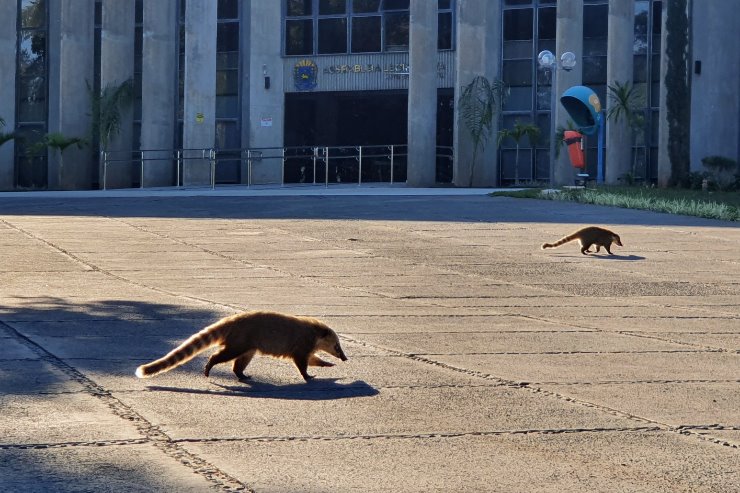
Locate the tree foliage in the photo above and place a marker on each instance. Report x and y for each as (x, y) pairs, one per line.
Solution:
(517, 133)
(480, 103)
(107, 108)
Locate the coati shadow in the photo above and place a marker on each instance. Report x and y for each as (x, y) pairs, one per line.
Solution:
(324, 389)
(630, 258)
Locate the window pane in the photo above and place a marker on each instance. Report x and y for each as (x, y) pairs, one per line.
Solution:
(365, 34)
(444, 31)
(518, 72)
(444, 4)
(333, 35)
(329, 7)
(520, 99)
(32, 100)
(518, 24)
(518, 2)
(641, 28)
(227, 36)
(518, 49)
(364, 6)
(594, 70)
(595, 21)
(299, 37)
(299, 7)
(395, 4)
(397, 32)
(227, 82)
(228, 9)
(546, 23)
(33, 13)
(32, 56)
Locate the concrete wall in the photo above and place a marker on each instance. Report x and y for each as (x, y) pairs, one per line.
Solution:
(199, 121)
(116, 67)
(71, 51)
(569, 37)
(422, 100)
(266, 106)
(159, 97)
(664, 160)
(619, 69)
(478, 53)
(715, 92)
(8, 16)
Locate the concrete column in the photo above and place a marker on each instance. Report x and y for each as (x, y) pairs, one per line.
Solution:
(71, 51)
(159, 89)
(422, 100)
(664, 159)
(266, 106)
(569, 37)
(8, 16)
(715, 92)
(199, 125)
(478, 53)
(619, 69)
(244, 83)
(116, 67)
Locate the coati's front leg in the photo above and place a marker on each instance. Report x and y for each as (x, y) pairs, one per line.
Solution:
(314, 360)
(241, 363)
(586, 249)
(301, 362)
(606, 247)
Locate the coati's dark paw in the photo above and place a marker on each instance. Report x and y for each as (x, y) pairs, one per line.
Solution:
(244, 377)
(308, 378)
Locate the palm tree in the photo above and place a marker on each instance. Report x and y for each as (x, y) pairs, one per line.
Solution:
(626, 104)
(5, 137)
(480, 102)
(59, 143)
(107, 108)
(520, 130)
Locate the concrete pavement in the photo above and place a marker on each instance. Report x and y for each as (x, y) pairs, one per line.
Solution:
(478, 362)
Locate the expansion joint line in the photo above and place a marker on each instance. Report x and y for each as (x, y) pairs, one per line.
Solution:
(152, 433)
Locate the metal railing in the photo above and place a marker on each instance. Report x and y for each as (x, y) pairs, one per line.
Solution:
(298, 165)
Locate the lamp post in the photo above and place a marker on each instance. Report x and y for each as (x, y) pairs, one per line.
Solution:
(548, 61)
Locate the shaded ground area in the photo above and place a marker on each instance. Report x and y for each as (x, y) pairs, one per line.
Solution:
(478, 362)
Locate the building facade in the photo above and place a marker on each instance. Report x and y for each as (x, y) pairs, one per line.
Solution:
(273, 91)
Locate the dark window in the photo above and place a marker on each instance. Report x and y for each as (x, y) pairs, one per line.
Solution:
(333, 35)
(332, 7)
(518, 24)
(299, 8)
(546, 23)
(444, 31)
(395, 4)
(365, 6)
(366, 34)
(397, 32)
(33, 14)
(227, 37)
(299, 37)
(228, 9)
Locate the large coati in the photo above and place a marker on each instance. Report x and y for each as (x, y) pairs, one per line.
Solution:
(243, 335)
(588, 236)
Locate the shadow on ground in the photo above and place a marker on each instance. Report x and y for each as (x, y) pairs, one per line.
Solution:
(319, 389)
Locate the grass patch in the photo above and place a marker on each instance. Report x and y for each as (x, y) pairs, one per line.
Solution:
(713, 205)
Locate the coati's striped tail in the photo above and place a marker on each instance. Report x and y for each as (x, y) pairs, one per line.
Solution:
(561, 241)
(196, 344)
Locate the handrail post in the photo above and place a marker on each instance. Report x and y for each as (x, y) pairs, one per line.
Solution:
(178, 157)
(315, 155)
(326, 171)
(212, 159)
(359, 173)
(249, 168)
(104, 159)
(391, 165)
(141, 180)
(282, 168)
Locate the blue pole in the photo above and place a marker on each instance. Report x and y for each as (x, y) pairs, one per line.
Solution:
(600, 162)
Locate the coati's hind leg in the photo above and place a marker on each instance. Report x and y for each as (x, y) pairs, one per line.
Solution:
(598, 247)
(222, 356)
(314, 360)
(241, 363)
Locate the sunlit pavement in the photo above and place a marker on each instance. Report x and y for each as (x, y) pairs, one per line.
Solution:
(477, 361)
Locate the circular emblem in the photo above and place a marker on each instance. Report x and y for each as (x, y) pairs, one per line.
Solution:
(593, 99)
(305, 73)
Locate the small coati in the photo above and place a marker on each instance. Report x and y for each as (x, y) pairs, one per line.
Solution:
(243, 335)
(591, 235)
